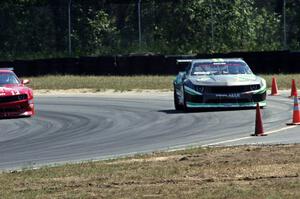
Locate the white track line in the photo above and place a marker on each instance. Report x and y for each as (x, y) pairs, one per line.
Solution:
(248, 137)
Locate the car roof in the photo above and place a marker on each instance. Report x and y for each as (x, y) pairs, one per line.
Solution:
(6, 71)
(216, 60)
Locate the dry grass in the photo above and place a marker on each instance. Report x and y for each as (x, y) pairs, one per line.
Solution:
(231, 172)
(128, 83)
(101, 83)
(284, 81)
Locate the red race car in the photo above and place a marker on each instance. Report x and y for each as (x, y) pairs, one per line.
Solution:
(16, 100)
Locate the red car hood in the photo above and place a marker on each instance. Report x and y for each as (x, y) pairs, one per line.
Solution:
(8, 90)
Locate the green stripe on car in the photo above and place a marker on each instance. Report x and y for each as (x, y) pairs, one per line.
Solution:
(243, 104)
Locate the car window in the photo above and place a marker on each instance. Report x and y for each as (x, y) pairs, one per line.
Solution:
(218, 68)
(8, 78)
(187, 69)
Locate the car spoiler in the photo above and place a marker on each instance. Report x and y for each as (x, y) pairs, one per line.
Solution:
(7, 68)
(211, 59)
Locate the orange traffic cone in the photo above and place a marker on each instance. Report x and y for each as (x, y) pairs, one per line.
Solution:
(259, 129)
(296, 113)
(274, 90)
(293, 89)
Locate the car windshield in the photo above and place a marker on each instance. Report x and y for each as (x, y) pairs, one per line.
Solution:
(224, 68)
(8, 78)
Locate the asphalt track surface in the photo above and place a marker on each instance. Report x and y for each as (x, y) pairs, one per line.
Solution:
(75, 128)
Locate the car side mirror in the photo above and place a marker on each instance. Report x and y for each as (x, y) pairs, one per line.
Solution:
(25, 81)
(182, 74)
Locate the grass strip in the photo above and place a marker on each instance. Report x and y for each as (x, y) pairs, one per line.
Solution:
(222, 172)
(129, 83)
(102, 83)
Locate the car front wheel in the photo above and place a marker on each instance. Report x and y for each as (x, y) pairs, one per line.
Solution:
(185, 108)
(178, 107)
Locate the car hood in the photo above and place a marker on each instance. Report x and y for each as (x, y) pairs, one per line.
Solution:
(225, 80)
(8, 90)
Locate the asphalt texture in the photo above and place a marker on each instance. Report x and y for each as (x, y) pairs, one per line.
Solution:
(84, 128)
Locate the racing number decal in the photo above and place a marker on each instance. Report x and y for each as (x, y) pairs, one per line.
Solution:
(15, 92)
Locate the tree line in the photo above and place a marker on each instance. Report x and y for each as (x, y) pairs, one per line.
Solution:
(32, 29)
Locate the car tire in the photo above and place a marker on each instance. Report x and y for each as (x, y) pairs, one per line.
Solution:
(185, 108)
(178, 107)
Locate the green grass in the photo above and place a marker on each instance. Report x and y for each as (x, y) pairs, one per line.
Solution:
(129, 83)
(229, 172)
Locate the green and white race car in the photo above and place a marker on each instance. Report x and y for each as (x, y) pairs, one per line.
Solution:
(217, 83)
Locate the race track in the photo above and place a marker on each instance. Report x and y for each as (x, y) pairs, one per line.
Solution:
(74, 128)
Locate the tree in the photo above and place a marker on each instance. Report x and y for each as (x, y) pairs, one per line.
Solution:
(39, 28)
(104, 35)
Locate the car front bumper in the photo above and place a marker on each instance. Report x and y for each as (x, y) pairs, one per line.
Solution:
(16, 109)
(210, 100)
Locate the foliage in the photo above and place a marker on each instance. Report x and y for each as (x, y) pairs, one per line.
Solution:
(39, 28)
(103, 33)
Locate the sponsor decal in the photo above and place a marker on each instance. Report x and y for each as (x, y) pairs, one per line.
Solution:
(3, 91)
(203, 79)
(231, 95)
(15, 92)
(219, 63)
(218, 60)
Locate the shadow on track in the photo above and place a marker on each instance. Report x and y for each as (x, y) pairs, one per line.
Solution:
(14, 117)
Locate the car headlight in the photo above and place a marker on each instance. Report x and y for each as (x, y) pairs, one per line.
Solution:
(200, 89)
(255, 87)
(263, 84)
(22, 97)
(188, 83)
(197, 88)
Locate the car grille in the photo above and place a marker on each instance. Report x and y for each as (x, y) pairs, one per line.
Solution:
(13, 98)
(10, 110)
(227, 89)
(244, 98)
(228, 101)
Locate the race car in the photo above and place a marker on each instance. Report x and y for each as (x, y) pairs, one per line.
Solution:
(218, 83)
(16, 99)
